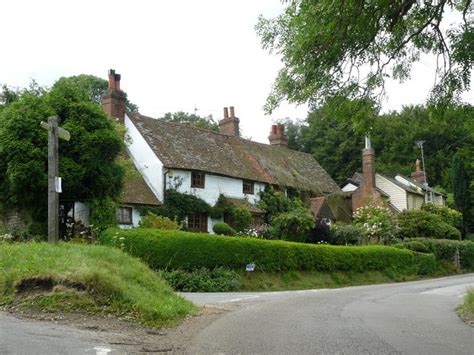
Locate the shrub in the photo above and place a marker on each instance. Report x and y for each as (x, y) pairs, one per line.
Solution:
(422, 224)
(241, 217)
(377, 222)
(222, 228)
(417, 246)
(273, 202)
(202, 280)
(170, 250)
(151, 220)
(449, 215)
(446, 249)
(294, 225)
(345, 234)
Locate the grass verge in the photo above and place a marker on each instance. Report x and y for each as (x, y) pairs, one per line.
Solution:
(86, 278)
(466, 310)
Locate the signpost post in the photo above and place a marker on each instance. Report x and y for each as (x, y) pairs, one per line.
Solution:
(54, 181)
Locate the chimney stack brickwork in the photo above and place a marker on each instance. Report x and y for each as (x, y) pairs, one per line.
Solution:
(229, 125)
(277, 136)
(367, 193)
(418, 175)
(114, 100)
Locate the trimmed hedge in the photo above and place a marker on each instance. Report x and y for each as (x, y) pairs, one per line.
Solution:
(445, 249)
(172, 250)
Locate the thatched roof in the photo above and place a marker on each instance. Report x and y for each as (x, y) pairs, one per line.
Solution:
(182, 146)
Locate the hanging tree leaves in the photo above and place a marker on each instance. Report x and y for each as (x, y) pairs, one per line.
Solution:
(349, 48)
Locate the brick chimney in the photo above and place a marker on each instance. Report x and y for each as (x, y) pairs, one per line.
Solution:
(367, 193)
(229, 125)
(419, 175)
(277, 136)
(114, 99)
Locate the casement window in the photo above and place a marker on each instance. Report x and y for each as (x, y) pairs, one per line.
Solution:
(124, 215)
(198, 222)
(248, 187)
(198, 179)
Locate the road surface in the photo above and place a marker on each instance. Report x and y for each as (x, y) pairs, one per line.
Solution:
(403, 318)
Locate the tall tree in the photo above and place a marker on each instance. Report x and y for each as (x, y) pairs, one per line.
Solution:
(193, 119)
(329, 135)
(87, 162)
(461, 189)
(349, 48)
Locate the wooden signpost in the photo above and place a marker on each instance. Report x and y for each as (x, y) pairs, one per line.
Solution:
(54, 181)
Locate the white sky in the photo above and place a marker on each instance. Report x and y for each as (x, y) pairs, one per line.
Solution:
(172, 55)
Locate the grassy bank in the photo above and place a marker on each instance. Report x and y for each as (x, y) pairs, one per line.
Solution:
(98, 279)
(466, 310)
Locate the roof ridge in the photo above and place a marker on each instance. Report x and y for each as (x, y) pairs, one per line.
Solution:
(218, 133)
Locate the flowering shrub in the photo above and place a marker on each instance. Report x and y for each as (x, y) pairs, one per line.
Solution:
(377, 222)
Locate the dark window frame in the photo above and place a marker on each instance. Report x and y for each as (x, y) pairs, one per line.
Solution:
(248, 187)
(198, 179)
(198, 222)
(121, 216)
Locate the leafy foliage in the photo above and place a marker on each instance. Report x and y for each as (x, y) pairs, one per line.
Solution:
(102, 213)
(222, 228)
(449, 215)
(96, 88)
(294, 225)
(462, 193)
(202, 280)
(152, 220)
(329, 136)
(87, 162)
(273, 202)
(418, 223)
(346, 234)
(178, 206)
(350, 48)
(241, 217)
(377, 222)
(189, 251)
(445, 249)
(192, 119)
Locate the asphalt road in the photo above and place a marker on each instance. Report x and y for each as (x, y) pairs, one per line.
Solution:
(405, 318)
(409, 318)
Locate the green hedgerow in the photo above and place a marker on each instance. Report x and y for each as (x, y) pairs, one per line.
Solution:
(171, 250)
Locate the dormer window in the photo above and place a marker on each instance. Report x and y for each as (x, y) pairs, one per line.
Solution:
(248, 187)
(197, 179)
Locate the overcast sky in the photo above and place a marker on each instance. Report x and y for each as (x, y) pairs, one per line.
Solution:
(173, 55)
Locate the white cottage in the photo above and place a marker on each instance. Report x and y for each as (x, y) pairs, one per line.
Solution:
(206, 163)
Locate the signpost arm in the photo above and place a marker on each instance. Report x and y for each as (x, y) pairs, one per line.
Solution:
(53, 198)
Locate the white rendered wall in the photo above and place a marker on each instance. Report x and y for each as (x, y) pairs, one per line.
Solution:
(144, 159)
(214, 185)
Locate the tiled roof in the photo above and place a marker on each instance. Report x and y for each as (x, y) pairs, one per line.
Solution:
(135, 190)
(243, 202)
(421, 185)
(182, 146)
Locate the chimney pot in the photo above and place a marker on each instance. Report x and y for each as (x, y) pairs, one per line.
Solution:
(274, 129)
(226, 112)
(277, 136)
(232, 113)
